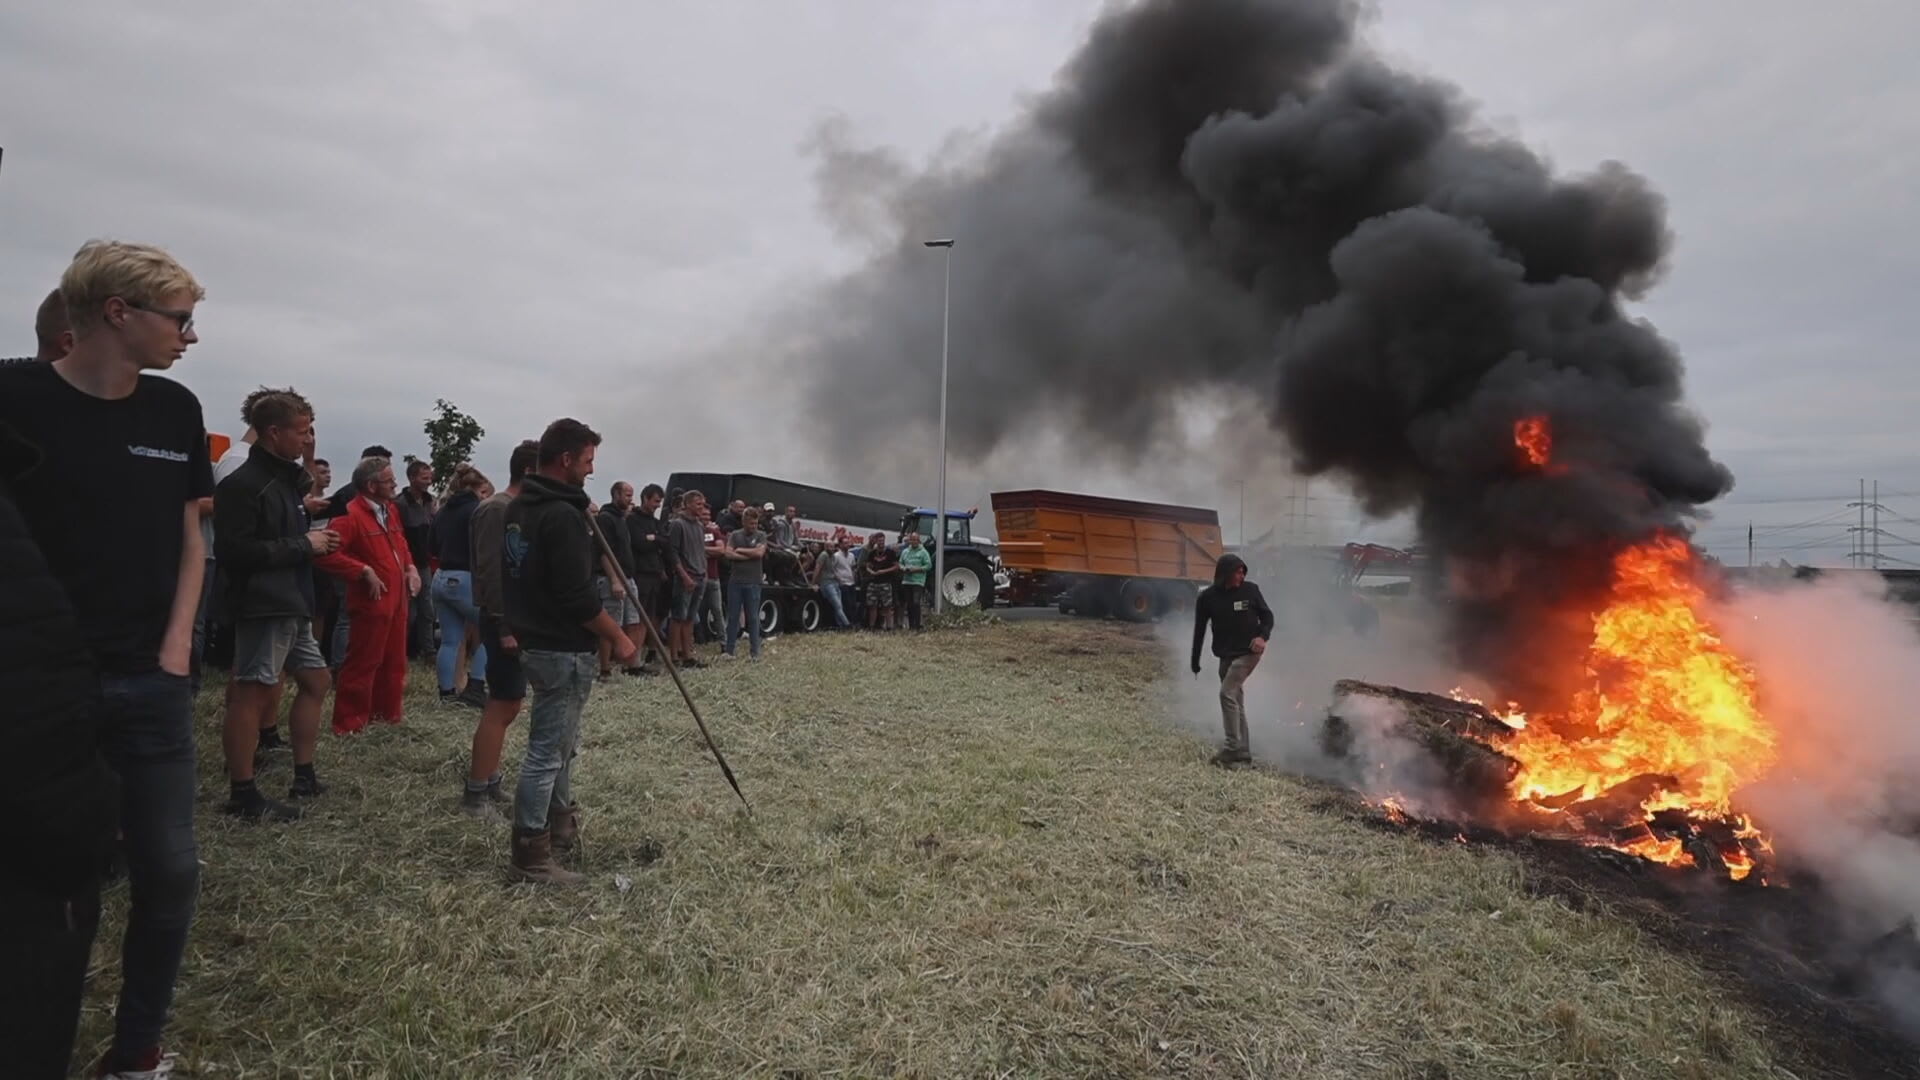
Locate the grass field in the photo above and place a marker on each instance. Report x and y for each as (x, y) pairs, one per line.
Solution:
(975, 853)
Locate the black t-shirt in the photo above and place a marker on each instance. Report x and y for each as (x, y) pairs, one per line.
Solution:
(106, 503)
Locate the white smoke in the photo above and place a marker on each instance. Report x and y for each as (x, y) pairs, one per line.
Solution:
(1839, 678)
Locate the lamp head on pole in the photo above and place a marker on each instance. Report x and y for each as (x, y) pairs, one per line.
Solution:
(947, 243)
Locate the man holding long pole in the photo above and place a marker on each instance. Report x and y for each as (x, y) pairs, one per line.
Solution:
(559, 621)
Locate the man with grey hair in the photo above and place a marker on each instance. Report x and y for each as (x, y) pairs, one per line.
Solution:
(377, 566)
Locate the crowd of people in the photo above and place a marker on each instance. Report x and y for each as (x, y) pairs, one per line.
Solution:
(127, 558)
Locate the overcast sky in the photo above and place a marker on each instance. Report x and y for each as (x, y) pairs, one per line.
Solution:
(561, 209)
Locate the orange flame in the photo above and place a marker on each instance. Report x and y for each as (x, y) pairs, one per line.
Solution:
(1535, 440)
(1666, 698)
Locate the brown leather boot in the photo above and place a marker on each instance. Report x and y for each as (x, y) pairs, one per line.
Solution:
(533, 861)
(564, 825)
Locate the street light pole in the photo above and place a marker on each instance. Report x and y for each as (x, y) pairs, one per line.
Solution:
(940, 541)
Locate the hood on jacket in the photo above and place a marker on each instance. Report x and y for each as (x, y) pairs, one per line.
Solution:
(1223, 570)
(539, 489)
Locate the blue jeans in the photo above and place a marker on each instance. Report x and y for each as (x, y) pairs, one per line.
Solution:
(453, 604)
(560, 682)
(830, 591)
(146, 735)
(743, 602)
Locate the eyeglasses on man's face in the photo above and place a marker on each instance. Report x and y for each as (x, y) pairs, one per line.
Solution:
(181, 319)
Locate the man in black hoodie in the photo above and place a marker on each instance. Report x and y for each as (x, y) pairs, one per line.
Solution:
(1241, 624)
(63, 795)
(549, 559)
(265, 547)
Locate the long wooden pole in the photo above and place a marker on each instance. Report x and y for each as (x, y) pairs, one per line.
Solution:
(666, 658)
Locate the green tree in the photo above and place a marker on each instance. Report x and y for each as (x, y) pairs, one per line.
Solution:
(451, 435)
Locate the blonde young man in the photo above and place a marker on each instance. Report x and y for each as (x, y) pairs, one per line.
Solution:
(103, 419)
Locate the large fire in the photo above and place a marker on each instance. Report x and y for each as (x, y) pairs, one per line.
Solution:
(1668, 717)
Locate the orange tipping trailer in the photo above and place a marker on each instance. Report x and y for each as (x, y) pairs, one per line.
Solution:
(1099, 556)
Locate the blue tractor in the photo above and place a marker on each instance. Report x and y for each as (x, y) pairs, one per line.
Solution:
(969, 580)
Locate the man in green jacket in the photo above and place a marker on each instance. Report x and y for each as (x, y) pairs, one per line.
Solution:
(915, 562)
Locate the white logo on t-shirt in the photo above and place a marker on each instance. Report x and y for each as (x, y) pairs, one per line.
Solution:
(161, 455)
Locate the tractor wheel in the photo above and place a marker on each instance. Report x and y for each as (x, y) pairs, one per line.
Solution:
(963, 587)
(809, 614)
(771, 617)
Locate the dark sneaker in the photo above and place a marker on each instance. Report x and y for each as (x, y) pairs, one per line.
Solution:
(306, 787)
(690, 663)
(474, 696)
(497, 795)
(1230, 759)
(261, 809)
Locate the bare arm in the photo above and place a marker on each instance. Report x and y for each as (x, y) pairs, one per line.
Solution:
(176, 647)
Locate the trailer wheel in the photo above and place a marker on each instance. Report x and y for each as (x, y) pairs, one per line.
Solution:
(1136, 601)
(771, 617)
(809, 615)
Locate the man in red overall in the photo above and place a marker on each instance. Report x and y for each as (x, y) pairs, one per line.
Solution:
(377, 565)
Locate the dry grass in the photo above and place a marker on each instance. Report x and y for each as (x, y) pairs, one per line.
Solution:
(980, 852)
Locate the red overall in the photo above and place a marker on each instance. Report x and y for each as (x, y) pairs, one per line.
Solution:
(375, 672)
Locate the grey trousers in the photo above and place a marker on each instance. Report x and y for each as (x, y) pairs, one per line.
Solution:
(1233, 700)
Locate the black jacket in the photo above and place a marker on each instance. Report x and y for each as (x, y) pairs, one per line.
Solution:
(260, 538)
(450, 534)
(549, 560)
(652, 554)
(613, 526)
(1238, 615)
(61, 793)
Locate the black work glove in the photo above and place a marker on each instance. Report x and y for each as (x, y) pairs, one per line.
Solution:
(1196, 665)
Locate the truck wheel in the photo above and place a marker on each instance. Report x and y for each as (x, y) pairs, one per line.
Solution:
(964, 587)
(1136, 601)
(809, 615)
(771, 617)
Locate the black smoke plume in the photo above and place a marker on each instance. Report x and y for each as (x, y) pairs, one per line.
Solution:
(1231, 201)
